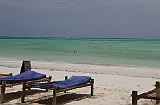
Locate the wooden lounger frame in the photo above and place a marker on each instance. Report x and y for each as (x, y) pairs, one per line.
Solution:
(5, 75)
(55, 91)
(153, 94)
(4, 85)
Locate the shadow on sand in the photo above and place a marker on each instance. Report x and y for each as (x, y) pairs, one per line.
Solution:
(63, 99)
(18, 94)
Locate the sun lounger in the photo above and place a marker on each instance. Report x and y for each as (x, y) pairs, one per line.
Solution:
(153, 94)
(25, 77)
(63, 86)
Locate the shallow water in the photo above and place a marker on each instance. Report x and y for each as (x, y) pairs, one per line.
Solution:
(131, 52)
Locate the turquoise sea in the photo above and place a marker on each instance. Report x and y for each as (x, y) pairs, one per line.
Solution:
(95, 51)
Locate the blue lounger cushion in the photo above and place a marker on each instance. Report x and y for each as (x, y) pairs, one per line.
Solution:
(72, 81)
(23, 77)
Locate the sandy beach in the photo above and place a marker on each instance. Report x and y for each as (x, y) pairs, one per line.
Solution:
(113, 84)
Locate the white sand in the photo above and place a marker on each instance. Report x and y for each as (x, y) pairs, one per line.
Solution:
(113, 85)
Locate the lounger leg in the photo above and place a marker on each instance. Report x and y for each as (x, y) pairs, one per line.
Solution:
(134, 98)
(3, 88)
(54, 95)
(158, 92)
(49, 80)
(23, 92)
(92, 85)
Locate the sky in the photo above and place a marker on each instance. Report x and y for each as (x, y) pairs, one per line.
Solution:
(80, 18)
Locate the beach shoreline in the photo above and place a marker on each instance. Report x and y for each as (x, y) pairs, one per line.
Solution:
(130, 71)
(113, 84)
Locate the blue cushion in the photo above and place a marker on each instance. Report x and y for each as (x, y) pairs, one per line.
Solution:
(23, 77)
(72, 81)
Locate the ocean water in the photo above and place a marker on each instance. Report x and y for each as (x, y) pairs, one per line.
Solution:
(116, 52)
